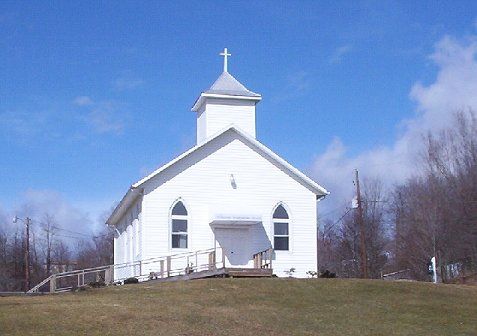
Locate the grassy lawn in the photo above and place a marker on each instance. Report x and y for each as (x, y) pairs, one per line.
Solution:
(248, 307)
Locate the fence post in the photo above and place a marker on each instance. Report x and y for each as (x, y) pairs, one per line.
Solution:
(223, 258)
(168, 266)
(211, 260)
(270, 254)
(196, 261)
(140, 267)
(162, 268)
(108, 275)
(53, 283)
(187, 267)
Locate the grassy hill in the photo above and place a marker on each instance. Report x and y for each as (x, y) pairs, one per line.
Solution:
(248, 307)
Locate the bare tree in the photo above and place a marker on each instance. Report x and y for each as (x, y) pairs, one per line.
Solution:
(49, 227)
(436, 212)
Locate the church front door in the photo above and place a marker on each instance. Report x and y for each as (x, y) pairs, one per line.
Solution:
(235, 245)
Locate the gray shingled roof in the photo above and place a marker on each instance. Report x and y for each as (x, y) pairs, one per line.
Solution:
(226, 84)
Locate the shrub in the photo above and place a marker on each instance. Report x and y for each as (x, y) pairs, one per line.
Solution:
(327, 274)
(131, 280)
(290, 272)
(313, 274)
(97, 284)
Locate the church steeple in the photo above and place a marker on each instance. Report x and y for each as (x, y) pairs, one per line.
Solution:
(227, 102)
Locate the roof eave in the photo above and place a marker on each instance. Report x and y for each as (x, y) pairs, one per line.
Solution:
(203, 96)
(315, 187)
(128, 199)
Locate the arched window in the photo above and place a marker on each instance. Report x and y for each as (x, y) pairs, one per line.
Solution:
(281, 235)
(179, 225)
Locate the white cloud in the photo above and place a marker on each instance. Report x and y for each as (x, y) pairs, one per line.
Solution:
(23, 125)
(340, 53)
(127, 83)
(40, 119)
(83, 101)
(454, 88)
(297, 84)
(5, 221)
(35, 203)
(104, 118)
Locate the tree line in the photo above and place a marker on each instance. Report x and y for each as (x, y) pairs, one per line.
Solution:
(52, 249)
(432, 213)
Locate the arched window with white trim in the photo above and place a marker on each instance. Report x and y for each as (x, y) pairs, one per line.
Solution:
(179, 226)
(281, 236)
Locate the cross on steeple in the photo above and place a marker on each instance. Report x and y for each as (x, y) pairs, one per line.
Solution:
(225, 54)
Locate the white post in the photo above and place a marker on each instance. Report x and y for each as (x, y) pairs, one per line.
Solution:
(53, 284)
(162, 268)
(196, 261)
(168, 262)
(434, 270)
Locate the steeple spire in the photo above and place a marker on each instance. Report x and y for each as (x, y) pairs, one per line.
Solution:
(225, 54)
(227, 102)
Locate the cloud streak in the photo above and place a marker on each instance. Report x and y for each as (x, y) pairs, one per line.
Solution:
(83, 101)
(127, 82)
(454, 88)
(339, 54)
(103, 116)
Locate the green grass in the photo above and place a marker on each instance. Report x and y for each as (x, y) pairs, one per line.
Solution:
(248, 307)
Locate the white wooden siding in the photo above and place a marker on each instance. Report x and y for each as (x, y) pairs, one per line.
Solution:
(203, 182)
(217, 114)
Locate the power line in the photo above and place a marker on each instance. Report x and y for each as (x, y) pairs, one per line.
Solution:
(80, 233)
(341, 218)
(330, 212)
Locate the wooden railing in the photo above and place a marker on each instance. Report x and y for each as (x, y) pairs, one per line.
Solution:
(263, 259)
(147, 269)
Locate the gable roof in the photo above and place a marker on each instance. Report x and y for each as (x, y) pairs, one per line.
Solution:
(136, 189)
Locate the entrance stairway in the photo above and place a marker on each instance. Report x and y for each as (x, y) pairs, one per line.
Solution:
(184, 266)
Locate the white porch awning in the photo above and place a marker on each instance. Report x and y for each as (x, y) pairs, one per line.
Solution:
(234, 221)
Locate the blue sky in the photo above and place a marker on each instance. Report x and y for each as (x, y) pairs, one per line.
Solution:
(95, 95)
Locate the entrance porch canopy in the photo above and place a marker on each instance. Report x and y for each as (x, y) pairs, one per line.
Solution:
(234, 221)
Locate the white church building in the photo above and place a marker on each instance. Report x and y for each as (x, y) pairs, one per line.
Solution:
(228, 192)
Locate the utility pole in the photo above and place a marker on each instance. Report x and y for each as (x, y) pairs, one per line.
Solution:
(48, 251)
(48, 228)
(27, 255)
(27, 222)
(359, 217)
